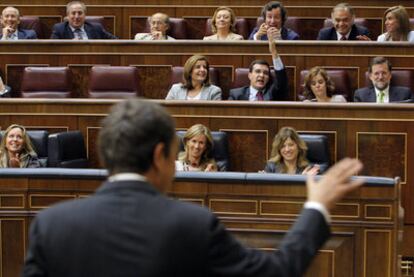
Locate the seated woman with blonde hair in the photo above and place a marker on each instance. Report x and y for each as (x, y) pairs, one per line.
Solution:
(318, 87)
(196, 82)
(198, 144)
(16, 150)
(289, 154)
(223, 25)
(397, 25)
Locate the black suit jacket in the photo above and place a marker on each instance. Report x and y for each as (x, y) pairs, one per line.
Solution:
(330, 33)
(24, 34)
(93, 30)
(396, 94)
(129, 229)
(277, 91)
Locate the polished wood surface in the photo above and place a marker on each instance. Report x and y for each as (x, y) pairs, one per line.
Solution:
(121, 19)
(365, 225)
(155, 59)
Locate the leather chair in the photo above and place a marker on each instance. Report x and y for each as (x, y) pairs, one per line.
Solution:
(220, 151)
(177, 75)
(32, 23)
(39, 140)
(241, 78)
(95, 19)
(177, 30)
(113, 82)
(400, 77)
(338, 76)
(67, 149)
(318, 150)
(242, 27)
(46, 82)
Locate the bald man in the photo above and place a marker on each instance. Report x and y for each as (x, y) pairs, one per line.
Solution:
(159, 23)
(10, 20)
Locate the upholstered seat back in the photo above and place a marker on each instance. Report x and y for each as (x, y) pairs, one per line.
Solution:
(177, 30)
(220, 150)
(113, 82)
(318, 150)
(67, 149)
(46, 82)
(32, 23)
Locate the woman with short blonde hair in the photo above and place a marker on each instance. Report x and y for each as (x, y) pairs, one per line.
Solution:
(223, 25)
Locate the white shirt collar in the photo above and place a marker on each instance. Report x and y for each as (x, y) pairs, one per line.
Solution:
(386, 94)
(338, 35)
(252, 94)
(82, 28)
(128, 176)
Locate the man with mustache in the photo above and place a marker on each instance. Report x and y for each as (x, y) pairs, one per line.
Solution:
(10, 20)
(262, 87)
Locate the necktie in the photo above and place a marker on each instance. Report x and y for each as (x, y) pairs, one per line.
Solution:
(259, 95)
(343, 38)
(78, 34)
(381, 97)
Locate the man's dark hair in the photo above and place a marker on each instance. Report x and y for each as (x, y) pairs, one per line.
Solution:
(274, 5)
(130, 133)
(379, 60)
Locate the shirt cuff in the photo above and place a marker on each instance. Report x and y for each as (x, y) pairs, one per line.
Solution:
(319, 207)
(278, 64)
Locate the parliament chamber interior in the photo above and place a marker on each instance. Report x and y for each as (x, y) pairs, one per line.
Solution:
(62, 89)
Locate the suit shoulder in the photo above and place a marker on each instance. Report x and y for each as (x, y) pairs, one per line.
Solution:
(324, 33)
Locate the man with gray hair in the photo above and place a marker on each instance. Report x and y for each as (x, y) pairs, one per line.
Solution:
(76, 26)
(159, 25)
(10, 20)
(343, 17)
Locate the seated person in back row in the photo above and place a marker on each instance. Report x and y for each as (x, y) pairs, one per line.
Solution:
(198, 144)
(160, 23)
(343, 17)
(196, 82)
(16, 149)
(275, 16)
(76, 27)
(10, 20)
(223, 25)
(381, 90)
(262, 87)
(319, 87)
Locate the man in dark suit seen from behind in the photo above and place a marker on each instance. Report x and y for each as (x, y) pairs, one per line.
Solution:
(262, 86)
(343, 17)
(76, 27)
(381, 90)
(10, 30)
(130, 228)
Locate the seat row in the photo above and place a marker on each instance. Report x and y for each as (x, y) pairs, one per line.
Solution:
(65, 149)
(122, 81)
(181, 29)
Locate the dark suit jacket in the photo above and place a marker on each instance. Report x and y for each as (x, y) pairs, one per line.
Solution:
(277, 91)
(129, 229)
(24, 34)
(396, 94)
(330, 33)
(93, 30)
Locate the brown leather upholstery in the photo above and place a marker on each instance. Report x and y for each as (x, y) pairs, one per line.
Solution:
(32, 23)
(400, 77)
(242, 27)
(177, 30)
(358, 21)
(177, 75)
(113, 82)
(241, 78)
(96, 19)
(46, 82)
(338, 76)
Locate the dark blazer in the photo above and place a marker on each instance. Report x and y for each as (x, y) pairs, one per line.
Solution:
(286, 34)
(93, 30)
(330, 33)
(24, 34)
(129, 229)
(277, 91)
(396, 94)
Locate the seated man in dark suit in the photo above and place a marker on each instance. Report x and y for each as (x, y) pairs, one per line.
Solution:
(274, 14)
(262, 87)
(129, 228)
(10, 19)
(381, 90)
(76, 27)
(343, 17)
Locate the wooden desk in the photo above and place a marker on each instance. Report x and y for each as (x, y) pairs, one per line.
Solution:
(257, 209)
